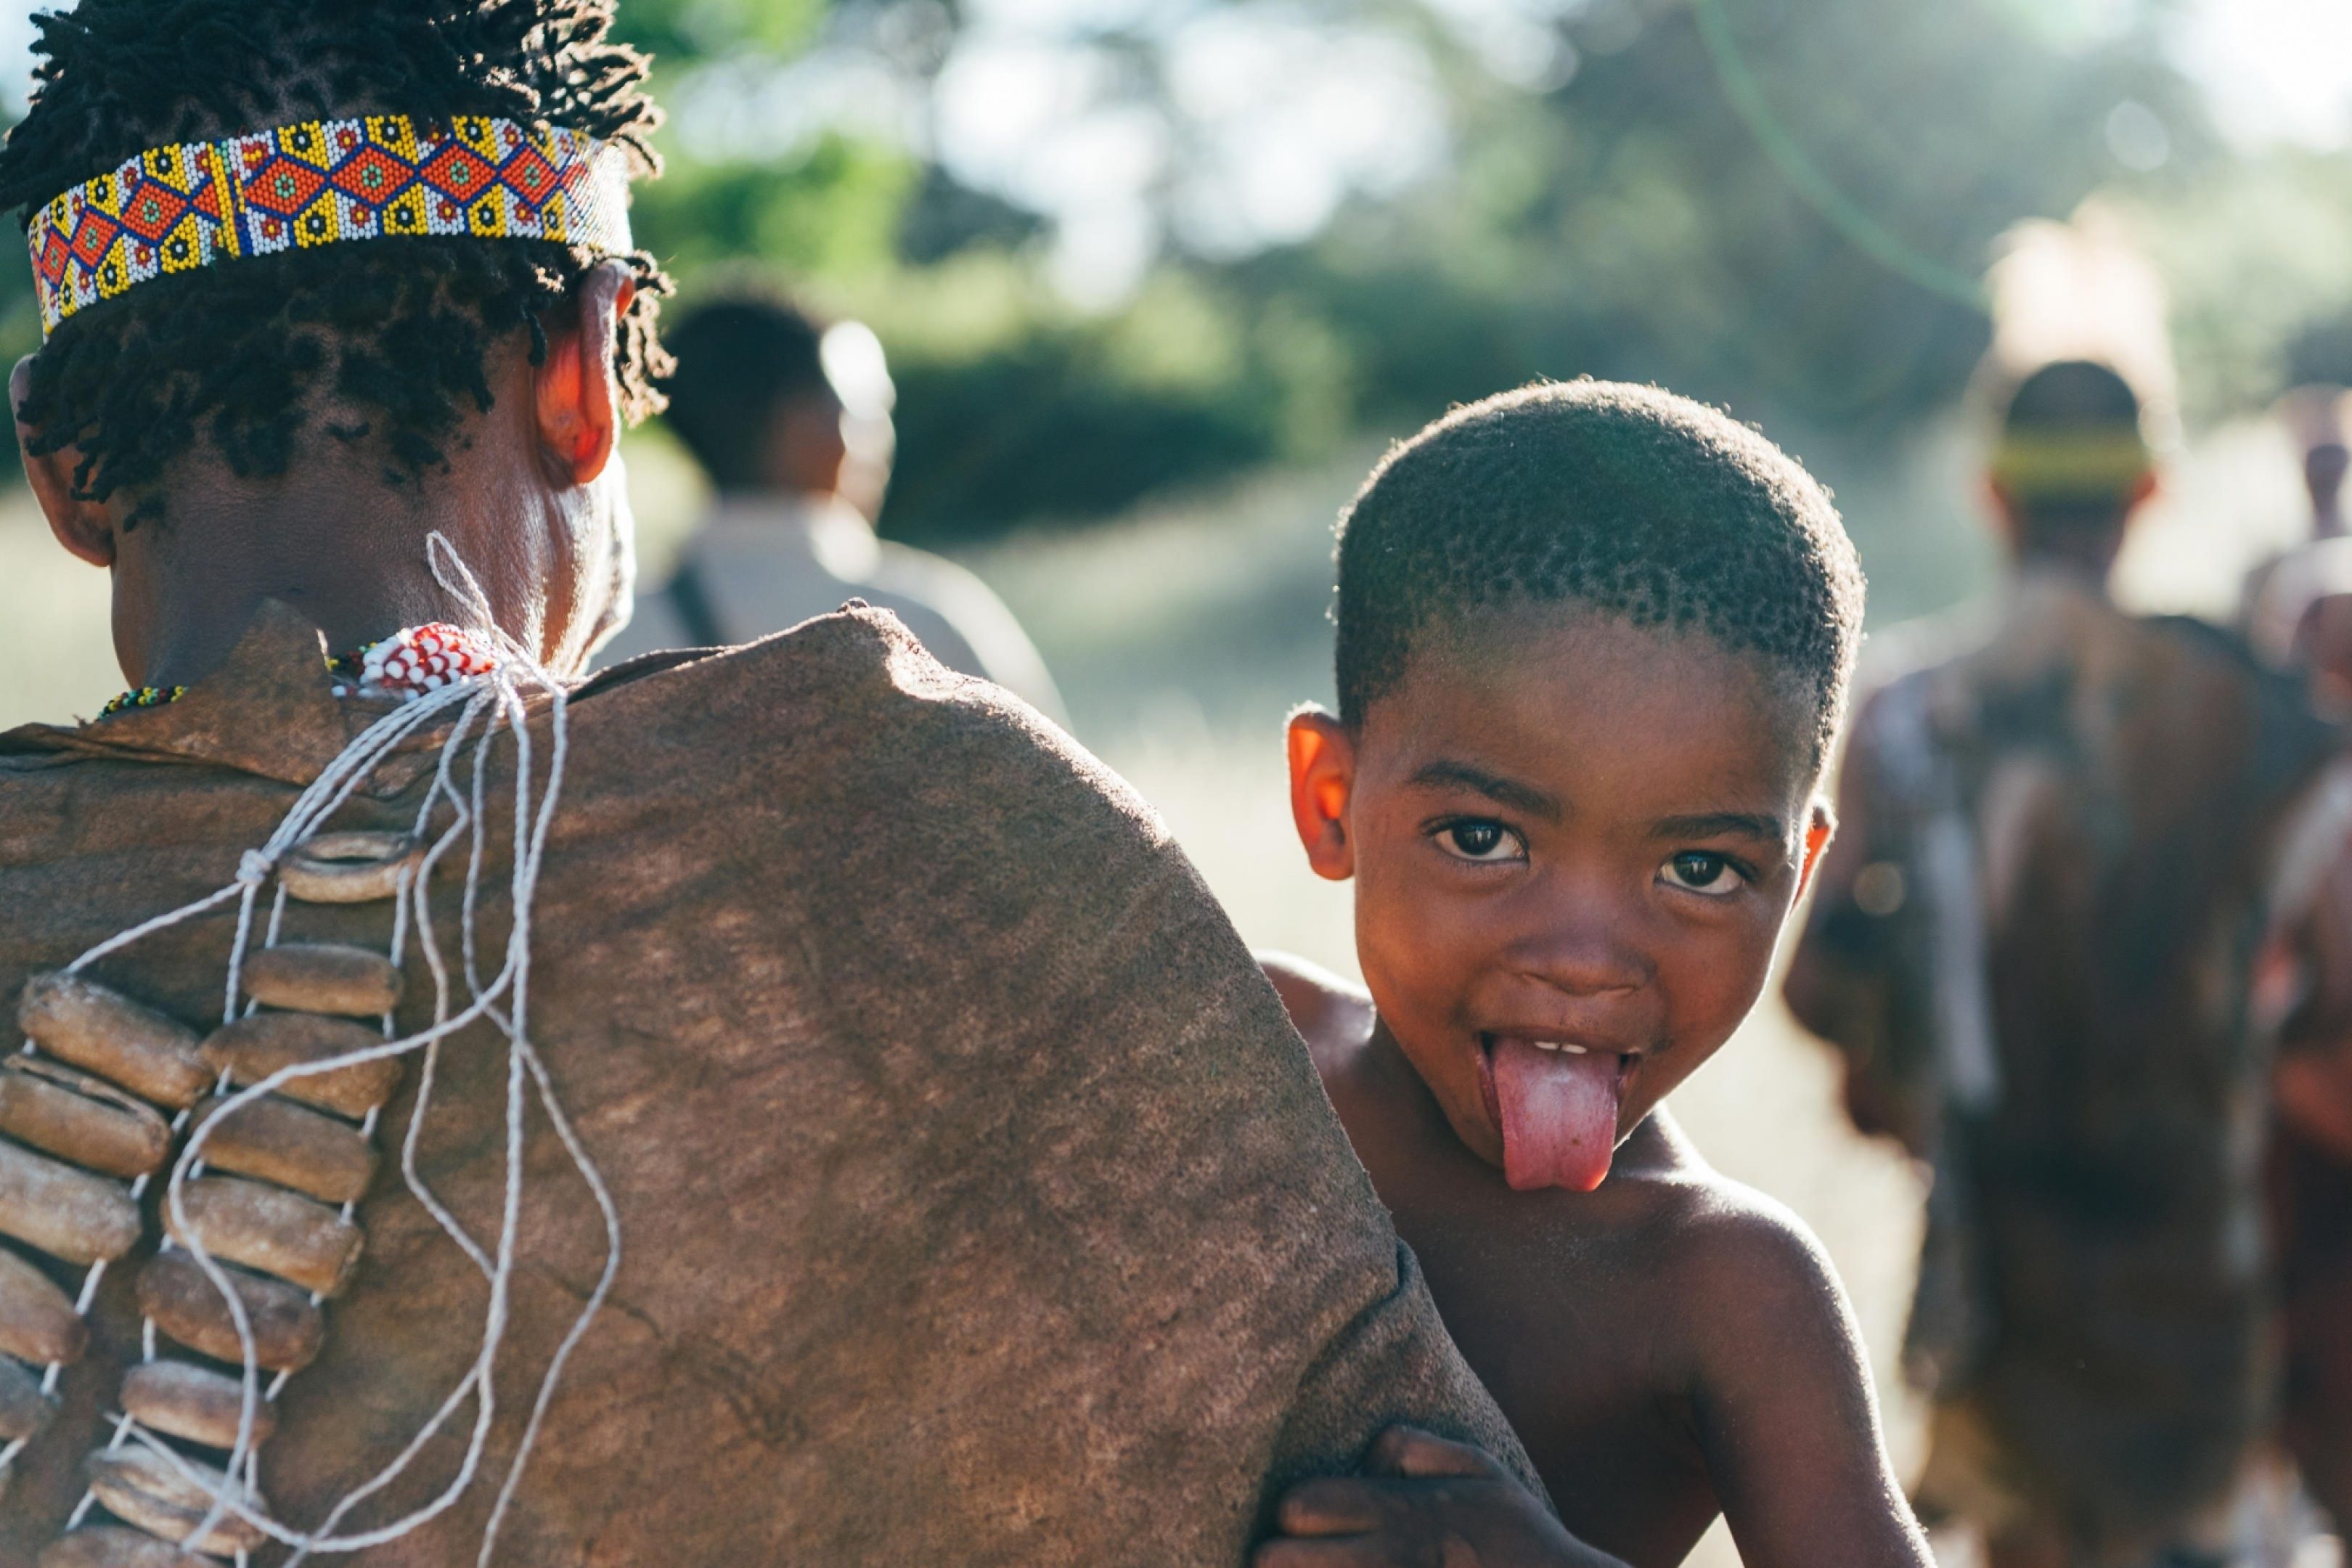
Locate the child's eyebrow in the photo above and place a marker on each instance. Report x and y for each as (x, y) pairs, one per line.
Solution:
(1502, 790)
(1706, 825)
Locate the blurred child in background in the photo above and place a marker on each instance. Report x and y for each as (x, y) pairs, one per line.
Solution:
(2300, 616)
(2281, 592)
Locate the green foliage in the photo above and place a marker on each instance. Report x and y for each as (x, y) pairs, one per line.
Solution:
(1774, 223)
(1014, 407)
(1633, 222)
(832, 210)
(1770, 203)
(2258, 256)
(1767, 216)
(681, 33)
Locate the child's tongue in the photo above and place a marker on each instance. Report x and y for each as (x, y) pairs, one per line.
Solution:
(1558, 1112)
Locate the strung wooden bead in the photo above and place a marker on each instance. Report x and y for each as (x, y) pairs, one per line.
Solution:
(24, 1410)
(83, 1023)
(80, 1118)
(37, 1321)
(180, 1400)
(284, 1142)
(141, 1487)
(65, 1211)
(252, 1049)
(268, 1229)
(287, 1329)
(347, 867)
(323, 977)
(113, 1546)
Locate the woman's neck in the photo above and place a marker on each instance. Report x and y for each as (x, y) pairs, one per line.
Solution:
(348, 553)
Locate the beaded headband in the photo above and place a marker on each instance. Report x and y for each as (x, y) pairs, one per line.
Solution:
(322, 181)
(2097, 463)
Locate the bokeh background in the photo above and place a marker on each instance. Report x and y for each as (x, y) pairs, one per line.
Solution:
(1158, 278)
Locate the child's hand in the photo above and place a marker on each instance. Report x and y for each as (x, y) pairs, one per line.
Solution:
(1424, 1503)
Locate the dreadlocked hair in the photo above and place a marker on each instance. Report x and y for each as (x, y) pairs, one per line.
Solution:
(397, 332)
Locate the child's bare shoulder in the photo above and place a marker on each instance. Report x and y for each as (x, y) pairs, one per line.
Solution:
(1749, 1267)
(1715, 1241)
(1717, 1272)
(1780, 1398)
(1333, 1015)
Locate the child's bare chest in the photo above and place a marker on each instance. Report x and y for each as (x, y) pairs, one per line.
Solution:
(1560, 1305)
(1564, 1324)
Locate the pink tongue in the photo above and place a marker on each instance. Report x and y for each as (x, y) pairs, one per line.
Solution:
(1560, 1115)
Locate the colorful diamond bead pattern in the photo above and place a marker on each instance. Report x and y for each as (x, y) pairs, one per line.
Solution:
(323, 182)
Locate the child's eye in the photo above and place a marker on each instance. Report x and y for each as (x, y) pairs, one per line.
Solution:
(1698, 871)
(1477, 839)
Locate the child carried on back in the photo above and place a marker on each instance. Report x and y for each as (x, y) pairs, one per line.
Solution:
(1594, 646)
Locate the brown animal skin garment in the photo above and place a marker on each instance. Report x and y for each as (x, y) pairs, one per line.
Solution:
(979, 1204)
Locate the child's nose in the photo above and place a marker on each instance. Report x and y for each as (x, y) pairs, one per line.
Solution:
(1583, 957)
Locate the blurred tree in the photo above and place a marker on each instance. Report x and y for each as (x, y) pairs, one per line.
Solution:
(831, 209)
(944, 217)
(1776, 207)
(682, 33)
(1633, 222)
(1772, 204)
(2257, 251)
(1015, 406)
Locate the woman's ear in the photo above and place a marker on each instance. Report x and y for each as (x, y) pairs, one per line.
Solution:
(1817, 833)
(83, 527)
(579, 394)
(1322, 778)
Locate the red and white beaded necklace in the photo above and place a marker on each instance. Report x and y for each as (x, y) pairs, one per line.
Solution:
(405, 666)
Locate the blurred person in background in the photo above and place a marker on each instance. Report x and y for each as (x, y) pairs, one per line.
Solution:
(2300, 617)
(2308, 975)
(2282, 593)
(2035, 946)
(789, 418)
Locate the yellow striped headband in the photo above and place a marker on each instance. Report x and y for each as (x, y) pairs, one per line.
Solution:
(2095, 463)
(323, 182)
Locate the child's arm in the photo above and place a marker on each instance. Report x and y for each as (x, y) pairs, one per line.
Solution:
(1786, 1415)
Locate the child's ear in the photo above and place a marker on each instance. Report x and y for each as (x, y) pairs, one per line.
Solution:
(1818, 832)
(1322, 775)
(83, 527)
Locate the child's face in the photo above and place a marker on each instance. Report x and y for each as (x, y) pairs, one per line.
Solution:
(1574, 843)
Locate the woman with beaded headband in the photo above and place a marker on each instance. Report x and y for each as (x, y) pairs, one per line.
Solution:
(2034, 944)
(786, 1106)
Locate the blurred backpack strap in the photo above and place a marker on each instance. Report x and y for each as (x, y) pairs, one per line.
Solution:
(691, 601)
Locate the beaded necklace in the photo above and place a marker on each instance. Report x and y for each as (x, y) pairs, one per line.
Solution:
(405, 665)
(142, 697)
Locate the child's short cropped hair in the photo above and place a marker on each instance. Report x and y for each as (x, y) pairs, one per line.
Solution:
(1628, 500)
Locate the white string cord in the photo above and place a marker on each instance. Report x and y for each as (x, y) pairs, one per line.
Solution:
(494, 1319)
(499, 702)
(417, 891)
(252, 868)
